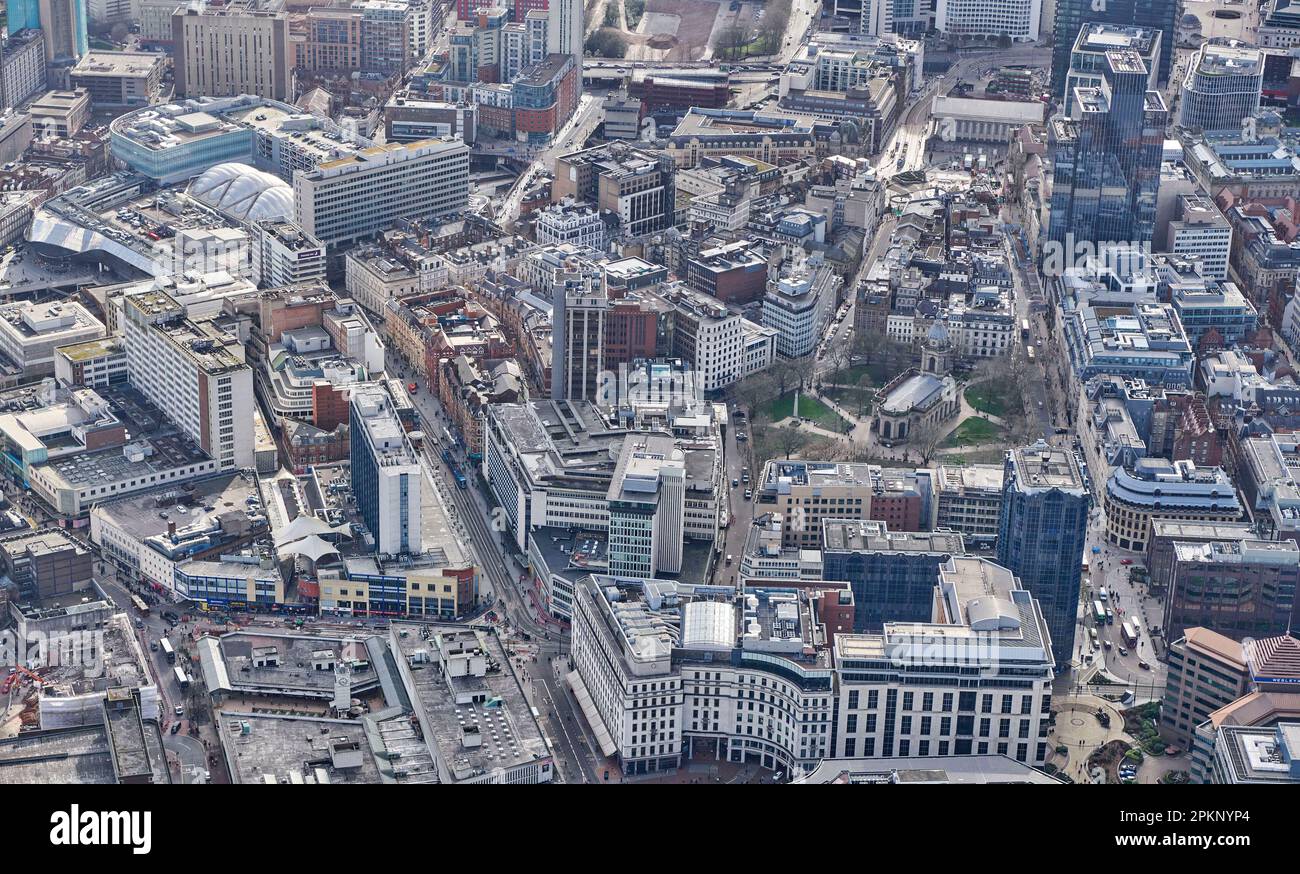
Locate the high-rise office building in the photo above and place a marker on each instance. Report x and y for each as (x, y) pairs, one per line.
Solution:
(579, 308)
(892, 575)
(22, 67)
(239, 48)
(1107, 158)
(349, 200)
(1222, 86)
(1088, 57)
(1041, 534)
(194, 372)
(386, 475)
(1071, 15)
(647, 505)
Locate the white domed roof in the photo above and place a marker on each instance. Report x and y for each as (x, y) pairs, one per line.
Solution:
(244, 192)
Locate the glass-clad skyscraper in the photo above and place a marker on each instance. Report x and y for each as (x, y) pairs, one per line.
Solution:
(1042, 534)
(1106, 158)
(1071, 15)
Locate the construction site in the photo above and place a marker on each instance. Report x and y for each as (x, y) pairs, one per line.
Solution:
(64, 671)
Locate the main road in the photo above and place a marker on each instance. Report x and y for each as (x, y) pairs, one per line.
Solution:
(570, 138)
(534, 633)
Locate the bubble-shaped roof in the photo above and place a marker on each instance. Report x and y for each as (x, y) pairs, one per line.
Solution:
(244, 193)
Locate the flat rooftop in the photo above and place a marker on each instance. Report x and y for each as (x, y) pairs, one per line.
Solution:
(499, 718)
(1042, 466)
(781, 475)
(262, 748)
(91, 349)
(117, 64)
(148, 514)
(863, 536)
(294, 657)
(935, 770)
(74, 756)
(167, 448)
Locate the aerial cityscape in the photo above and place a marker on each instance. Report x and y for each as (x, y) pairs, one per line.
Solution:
(649, 392)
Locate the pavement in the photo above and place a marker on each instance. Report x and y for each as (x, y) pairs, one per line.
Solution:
(1080, 732)
(913, 128)
(504, 583)
(22, 271)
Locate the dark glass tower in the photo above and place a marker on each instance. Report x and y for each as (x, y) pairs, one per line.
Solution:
(1071, 15)
(1106, 159)
(1042, 533)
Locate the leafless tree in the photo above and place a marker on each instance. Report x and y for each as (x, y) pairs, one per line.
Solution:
(924, 438)
(732, 38)
(755, 391)
(783, 373)
(787, 439)
(837, 356)
(804, 369)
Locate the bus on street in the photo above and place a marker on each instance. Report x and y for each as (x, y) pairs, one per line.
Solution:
(1099, 612)
(182, 680)
(140, 606)
(166, 646)
(1130, 636)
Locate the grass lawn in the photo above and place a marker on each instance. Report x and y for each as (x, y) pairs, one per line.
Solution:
(861, 374)
(809, 408)
(992, 397)
(855, 400)
(972, 431)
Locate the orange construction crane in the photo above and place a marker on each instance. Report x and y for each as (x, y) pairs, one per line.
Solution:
(15, 674)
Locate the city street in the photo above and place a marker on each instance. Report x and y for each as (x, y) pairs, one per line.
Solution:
(570, 138)
(500, 576)
(1128, 601)
(738, 456)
